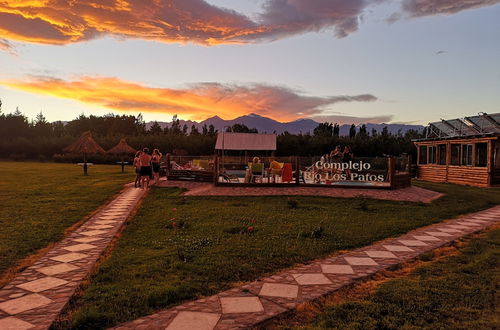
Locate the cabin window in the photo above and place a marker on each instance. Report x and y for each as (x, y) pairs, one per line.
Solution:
(481, 154)
(432, 154)
(467, 154)
(455, 154)
(442, 154)
(422, 155)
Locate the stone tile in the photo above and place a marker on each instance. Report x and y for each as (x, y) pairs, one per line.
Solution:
(357, 261)
(427, 238)
(23, 304)
(87, 239)
(279, 290)
(471, 226)
(100, 227)
(411, 242)
(448, 230)
(79, 247)
(398, 248)
(194, 321)
(241, 305)
(13, 323)
(437, 234)
(337, 269)
(381, 254)
(93, 232)
(69, 257)
(311, 279)
(476, 221)
(42, 284)
(17, 295)
(57, 269)
(105, 222)
(457, 227)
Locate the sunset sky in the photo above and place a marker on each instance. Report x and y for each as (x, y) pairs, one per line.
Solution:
(410, 61)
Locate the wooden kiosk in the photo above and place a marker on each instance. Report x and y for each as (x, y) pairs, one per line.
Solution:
(462, 151)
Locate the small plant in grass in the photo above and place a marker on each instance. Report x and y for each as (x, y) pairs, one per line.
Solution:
(363, 203)
(177, 224)
(182, 201)
(248, 227)
(292, 203)
(316, 232)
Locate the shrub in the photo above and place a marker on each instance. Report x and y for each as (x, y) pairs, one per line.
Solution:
(292, 203)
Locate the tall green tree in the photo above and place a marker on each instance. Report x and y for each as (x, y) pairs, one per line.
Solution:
(352, 131)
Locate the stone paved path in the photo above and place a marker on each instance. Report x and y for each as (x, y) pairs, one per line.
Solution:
(36, 296)
(410, 194)
(255, 302)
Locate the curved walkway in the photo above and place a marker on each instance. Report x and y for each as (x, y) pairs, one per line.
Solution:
(36, 296)
(410, 194)
(251, 304)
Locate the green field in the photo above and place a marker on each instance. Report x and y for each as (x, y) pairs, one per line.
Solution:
(459, 292)
(155, 266)
(39, 201)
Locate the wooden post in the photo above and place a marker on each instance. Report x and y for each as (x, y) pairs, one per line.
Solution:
(85, 164)
(216, 170)
(448, 160)
(168, 165)
(391, 164)
(122, 163)
(490, 161)
(297, 170)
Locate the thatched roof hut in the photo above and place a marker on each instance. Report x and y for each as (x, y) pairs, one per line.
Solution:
(85, 145)
(122, 148)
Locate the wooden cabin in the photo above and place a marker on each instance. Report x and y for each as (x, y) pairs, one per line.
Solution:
(462, 151)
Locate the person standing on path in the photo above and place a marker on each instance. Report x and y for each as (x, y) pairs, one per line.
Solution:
(137, 166)
(155, 163)
(146, 170)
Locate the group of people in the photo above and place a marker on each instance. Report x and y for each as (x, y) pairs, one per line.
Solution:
(338, 155)
(147, 167)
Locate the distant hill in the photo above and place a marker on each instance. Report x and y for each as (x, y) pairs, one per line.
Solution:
(268, 125)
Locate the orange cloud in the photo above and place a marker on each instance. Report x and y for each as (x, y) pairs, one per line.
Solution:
(59, 22)
(63, 21)
(198, 101)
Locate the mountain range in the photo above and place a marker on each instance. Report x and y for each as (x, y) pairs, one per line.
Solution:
(268, 125)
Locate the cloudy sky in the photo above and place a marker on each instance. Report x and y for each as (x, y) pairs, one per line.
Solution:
(411, 61)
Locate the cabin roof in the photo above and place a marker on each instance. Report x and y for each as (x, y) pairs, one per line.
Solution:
(481, 125)
(245, 141)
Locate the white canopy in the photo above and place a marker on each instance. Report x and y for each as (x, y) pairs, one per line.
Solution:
(245, 141)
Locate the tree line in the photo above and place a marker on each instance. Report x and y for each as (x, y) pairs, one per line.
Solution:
(22, 138)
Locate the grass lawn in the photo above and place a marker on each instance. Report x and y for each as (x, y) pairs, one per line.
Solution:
(155, 266)
(459, 292)
(40, 200)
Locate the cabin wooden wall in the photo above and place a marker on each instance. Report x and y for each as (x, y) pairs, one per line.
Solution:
(432, 172)
(466, 175)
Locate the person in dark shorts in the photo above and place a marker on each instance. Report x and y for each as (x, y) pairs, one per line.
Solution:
(146, 170)
(155, 163)
(137, 166)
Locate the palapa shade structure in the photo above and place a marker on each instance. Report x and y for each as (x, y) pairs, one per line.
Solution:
(85, 145)
(122, 149)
